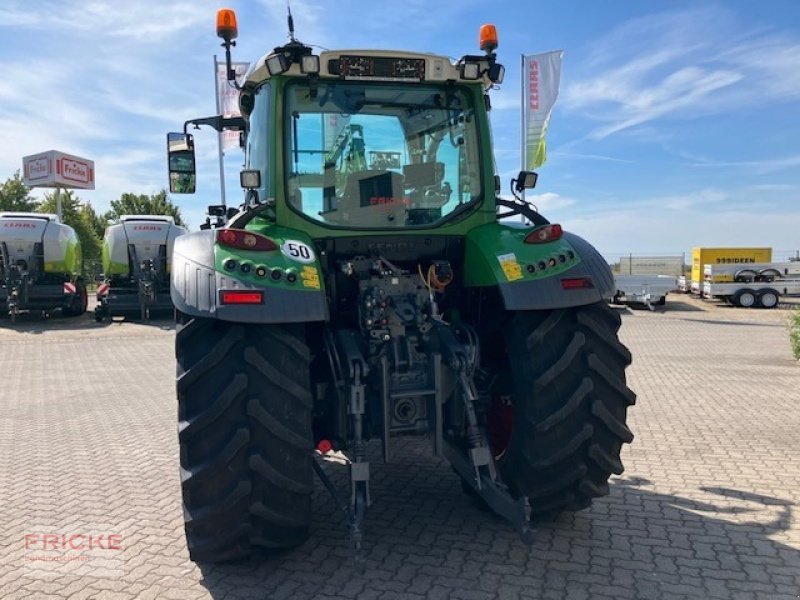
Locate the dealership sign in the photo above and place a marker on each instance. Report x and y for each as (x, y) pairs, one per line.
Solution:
(57, 169)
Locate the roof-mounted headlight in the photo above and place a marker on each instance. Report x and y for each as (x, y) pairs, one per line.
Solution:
(309, 64)
(470, 70)
(277, 64)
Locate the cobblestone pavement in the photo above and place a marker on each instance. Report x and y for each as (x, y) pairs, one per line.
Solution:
(705, 509)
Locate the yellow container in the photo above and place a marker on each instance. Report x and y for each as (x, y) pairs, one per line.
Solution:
(726, 256)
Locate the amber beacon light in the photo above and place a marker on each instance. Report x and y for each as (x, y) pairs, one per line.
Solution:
(488, 38)
(226, 24)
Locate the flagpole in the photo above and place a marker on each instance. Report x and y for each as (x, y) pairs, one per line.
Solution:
(219, 135)
(523, 165)
(522, 113)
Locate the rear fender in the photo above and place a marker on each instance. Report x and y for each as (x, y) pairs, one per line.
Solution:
(530, 276)
(199, 274)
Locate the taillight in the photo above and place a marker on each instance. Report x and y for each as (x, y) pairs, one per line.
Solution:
(241, 297)
(544, 234)
(577, 283)
(244, 240)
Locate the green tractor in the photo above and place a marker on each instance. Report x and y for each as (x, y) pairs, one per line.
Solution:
(371, 287)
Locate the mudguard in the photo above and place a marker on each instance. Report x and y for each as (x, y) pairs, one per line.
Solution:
(535, 276)
(199, 274)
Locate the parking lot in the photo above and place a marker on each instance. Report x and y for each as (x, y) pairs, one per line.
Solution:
(706, 507)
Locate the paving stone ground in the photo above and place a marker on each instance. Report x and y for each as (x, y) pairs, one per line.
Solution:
(707, 507)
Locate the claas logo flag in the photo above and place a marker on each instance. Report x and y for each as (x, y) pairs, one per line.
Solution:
(541, 76)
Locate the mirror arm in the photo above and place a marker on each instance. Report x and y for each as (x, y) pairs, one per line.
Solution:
(523, 208)
(218, 123)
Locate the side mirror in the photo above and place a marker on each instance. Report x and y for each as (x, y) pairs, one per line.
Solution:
(526, 180)
(100, 278)
(180, 159)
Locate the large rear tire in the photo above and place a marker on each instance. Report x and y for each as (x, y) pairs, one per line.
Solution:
(244, 411)
(569, 400)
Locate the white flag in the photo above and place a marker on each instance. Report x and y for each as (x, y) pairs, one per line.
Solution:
(541, 76)
(228, 98)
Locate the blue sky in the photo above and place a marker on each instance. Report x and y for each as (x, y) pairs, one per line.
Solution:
(678, 122)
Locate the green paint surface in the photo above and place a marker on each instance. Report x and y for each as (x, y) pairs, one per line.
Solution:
(309, 276)
(497, 253)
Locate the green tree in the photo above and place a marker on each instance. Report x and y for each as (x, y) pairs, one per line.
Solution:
(79, 217)
(16, 196)
(98, 222)
(145, 204)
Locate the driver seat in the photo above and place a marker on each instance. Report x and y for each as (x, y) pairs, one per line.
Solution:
(372, 198)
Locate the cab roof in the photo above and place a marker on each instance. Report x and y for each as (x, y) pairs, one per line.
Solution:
(438, 68)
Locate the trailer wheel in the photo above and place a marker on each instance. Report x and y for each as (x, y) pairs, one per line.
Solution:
(244, 410)
(768, 299)
(745, 298)
(78, 304)
(569, 398)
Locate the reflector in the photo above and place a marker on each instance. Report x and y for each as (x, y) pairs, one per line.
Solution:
(577, 283)
(241, 297)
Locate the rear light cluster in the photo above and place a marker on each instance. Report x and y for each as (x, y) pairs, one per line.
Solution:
(551, 262)
(544, 234)
(245, 240)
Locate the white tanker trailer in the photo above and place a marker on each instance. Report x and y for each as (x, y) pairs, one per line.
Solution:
(136, 255)
(40, 265)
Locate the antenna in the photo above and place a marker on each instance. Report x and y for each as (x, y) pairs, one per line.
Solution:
(291, 22)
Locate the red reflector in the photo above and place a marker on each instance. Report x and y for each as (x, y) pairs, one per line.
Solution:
(245, 240)
(241, 297)
(544, 233)
(324, 446)
(577, 283)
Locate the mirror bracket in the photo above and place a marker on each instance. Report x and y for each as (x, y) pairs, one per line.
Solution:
(218, 123)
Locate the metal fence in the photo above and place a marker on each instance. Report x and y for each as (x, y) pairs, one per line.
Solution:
(648, 264)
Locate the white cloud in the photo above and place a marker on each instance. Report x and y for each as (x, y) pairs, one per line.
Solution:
(759, 167)
(549, 201)
(145, 19)
(670, 65)
(617, 232)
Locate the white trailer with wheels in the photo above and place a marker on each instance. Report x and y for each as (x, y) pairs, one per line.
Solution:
(649, 290)
(753, 285)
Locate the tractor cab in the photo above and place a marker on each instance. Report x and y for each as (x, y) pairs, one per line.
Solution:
(360, 139)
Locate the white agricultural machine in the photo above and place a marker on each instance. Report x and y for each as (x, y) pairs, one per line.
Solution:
(136, 255)
(40, 264)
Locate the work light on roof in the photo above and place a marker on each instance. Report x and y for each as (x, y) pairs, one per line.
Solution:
(277, 64)
(496, 73)
(309, 64)
(470, 70)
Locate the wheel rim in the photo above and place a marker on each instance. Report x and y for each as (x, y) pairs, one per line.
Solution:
(499, 425)
(747, 299)
(769, 300)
